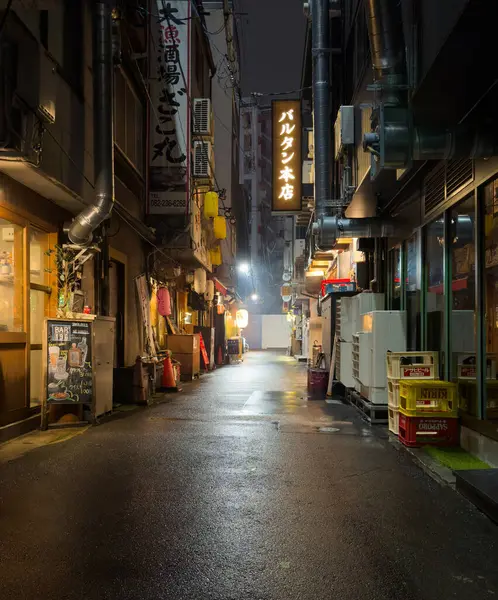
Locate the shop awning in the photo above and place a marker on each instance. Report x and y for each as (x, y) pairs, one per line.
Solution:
(220, 287)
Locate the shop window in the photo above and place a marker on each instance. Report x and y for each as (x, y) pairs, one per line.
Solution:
(413, 298)
(434, 288)
(463, 282)
(11, 277)
(491, 297)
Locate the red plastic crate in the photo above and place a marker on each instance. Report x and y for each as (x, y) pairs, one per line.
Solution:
(434, 431)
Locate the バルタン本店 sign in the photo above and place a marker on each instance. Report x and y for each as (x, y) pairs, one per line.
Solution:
(169, 78)
(287, 166)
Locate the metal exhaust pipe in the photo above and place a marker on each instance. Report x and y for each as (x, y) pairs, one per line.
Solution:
(83, 225)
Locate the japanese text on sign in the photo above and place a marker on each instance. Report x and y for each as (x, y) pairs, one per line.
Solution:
(286, 155)
(169, 94)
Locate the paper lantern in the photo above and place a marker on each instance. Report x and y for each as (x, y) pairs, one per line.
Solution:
(286, 298)
(215, 254)
(163, 302)
(209, 294)
(200, 281)
(242, 318)
(220, 309)
(220, 228)
(211, 205)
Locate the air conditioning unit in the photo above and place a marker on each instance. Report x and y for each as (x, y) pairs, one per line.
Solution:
(344, 129)
(203, 155)
(203, 122)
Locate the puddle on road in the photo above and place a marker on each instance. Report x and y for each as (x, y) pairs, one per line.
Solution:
(327, 429)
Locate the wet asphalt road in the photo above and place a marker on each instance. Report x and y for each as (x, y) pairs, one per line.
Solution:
(229, 491)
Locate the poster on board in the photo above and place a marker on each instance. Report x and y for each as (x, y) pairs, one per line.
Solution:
(69, 362)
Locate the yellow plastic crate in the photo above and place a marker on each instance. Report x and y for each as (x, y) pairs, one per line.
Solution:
(424, 398)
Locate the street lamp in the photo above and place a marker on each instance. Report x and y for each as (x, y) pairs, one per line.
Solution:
(254, 297)
(244, 268)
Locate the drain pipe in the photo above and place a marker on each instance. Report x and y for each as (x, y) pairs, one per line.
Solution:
(321, 102)
(82, 227)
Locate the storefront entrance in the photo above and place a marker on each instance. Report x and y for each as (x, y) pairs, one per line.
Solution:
(27, 281)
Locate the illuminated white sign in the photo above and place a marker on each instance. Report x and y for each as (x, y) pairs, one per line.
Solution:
(286, 156)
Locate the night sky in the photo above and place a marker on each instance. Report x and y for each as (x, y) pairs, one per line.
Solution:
(272, 40)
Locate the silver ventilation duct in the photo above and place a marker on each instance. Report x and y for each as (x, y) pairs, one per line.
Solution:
(385, 32)
(329, 229)
(84, 224)
(395, 140)
(321, 102)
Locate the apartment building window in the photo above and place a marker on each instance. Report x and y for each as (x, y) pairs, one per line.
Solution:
(128, 121)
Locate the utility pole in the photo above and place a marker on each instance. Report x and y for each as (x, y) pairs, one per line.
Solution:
(231, 54)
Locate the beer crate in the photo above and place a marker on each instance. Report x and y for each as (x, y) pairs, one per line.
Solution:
(412, 365)
(393, 392)
(434, 431)
(393, 416)
(423, 397)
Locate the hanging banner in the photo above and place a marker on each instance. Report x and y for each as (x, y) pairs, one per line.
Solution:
(169, 119)
(287, 164)
(144, 301)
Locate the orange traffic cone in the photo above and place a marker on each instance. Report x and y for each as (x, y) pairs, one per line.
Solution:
(219, 357)
(168, 382)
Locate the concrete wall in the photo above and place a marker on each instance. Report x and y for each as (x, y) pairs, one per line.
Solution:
(481, 446)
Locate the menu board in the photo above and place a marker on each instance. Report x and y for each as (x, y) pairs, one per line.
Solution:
(69, 362)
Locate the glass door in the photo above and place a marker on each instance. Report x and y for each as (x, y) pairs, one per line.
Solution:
(40, 292)
(13, 319)
(434, 244)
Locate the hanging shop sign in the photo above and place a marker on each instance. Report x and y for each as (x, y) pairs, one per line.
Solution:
(199, 237)
(163, 302)
(169, 78)
(242, 318)
(287, 167)
(144, 301)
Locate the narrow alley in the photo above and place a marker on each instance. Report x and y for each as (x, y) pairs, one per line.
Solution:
(237, 489)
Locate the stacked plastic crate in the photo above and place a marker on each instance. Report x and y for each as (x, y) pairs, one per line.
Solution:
(406, 366)
(428, 413)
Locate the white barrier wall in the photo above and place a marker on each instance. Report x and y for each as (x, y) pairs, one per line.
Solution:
(275, 332)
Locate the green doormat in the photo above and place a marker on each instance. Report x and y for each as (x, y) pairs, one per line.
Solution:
(456, 459)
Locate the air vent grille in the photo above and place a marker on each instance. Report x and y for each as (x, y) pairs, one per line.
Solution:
(459, 173)
(202, 116)
(446, 180)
